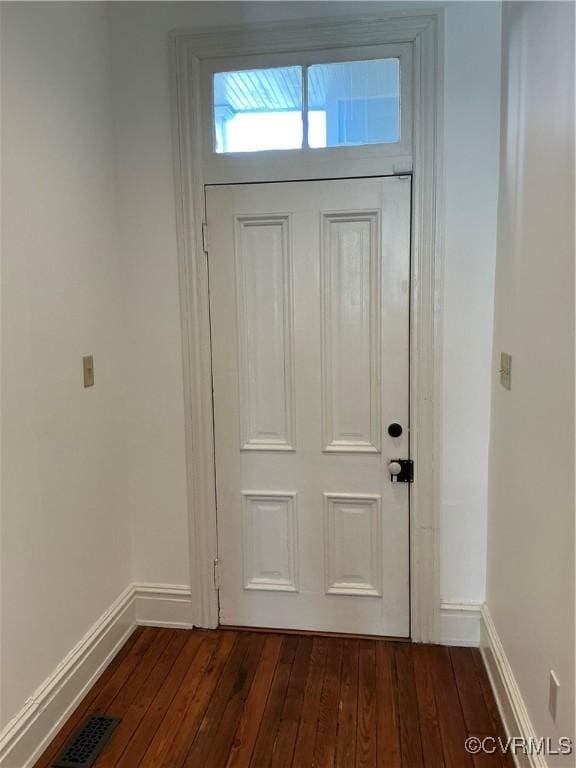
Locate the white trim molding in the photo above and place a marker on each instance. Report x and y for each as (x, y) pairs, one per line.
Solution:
(30, 731)
(163, 605)
(422, 30)
(460, 624)
(507, 692)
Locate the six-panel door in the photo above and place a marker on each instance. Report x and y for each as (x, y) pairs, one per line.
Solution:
(309, 299)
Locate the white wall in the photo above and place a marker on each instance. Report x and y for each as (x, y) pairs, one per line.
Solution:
(65, 537)
(531, 502)
(142, 106)
(471, 149)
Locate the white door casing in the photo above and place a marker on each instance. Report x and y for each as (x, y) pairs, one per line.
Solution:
(189, 50)
(309, 298)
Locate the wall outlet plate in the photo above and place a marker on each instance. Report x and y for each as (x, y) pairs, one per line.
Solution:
(506, 370)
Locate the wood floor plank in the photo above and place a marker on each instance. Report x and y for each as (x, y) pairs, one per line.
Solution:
(476, 715)
(348, 706)
(325, 744)
(221, 743)
(155, 713)
(304, 749)
(141, 671)
(388, 735)
(231, 679)
(131, 709)
(249, 723)
(292, 710)
(266, 738)
(427, 712)
(486, 690)
(410, 738)
(125, 670)
(102, 693)
(366, 736)
(450, 716)
(178, 729)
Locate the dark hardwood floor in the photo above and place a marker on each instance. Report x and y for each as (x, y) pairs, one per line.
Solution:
(227, 699)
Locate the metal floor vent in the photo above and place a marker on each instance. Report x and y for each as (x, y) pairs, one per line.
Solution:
(87, 743)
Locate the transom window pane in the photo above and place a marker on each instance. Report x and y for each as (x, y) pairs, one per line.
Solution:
(349, 103)
(258, 109)
(354, 102)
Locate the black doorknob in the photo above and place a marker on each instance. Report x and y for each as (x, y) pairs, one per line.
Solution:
(395, 430)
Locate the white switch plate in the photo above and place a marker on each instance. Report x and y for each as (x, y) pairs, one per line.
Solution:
(506, 370)
(88, 369)
(553, 695)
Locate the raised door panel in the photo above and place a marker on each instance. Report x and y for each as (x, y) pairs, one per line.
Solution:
(265, 336)
(352, 525)
(351, 311)
(270, 541)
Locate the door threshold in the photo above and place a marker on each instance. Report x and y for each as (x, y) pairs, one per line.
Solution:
(313, 633)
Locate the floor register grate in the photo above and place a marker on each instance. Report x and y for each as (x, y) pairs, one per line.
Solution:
(87, 743)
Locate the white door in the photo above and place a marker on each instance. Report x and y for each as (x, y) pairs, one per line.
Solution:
(309, 301)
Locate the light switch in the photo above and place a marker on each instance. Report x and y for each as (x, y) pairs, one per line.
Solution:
(506, 370)
(88, 365)
(553, 695)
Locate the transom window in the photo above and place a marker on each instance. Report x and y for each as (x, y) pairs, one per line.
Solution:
(339, 104)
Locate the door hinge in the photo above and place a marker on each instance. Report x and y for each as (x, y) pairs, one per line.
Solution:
(216, 564)
(205, 237)
(402, 170)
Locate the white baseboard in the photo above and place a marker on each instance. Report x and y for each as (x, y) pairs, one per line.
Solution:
(26, 736)
(506, 691)
(163, 605)
(30, 731)
(460, 624)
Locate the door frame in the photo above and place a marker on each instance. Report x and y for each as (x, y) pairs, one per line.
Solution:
(188, 50)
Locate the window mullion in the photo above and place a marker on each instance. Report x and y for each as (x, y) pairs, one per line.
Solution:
(305, 144)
